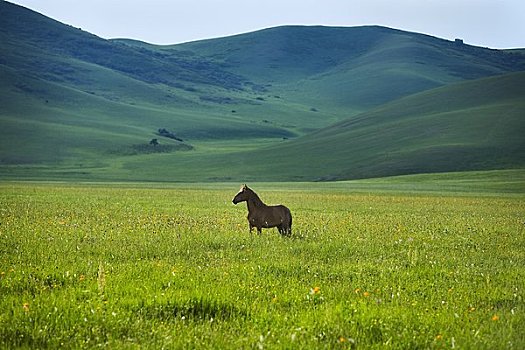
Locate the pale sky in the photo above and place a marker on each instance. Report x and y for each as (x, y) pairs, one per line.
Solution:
(490, 23)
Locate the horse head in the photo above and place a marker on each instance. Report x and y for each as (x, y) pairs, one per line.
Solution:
(243, 195)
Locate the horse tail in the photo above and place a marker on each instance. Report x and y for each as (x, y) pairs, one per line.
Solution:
(289, 228)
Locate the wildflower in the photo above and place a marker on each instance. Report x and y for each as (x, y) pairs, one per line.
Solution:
(25, 306)
(439, 337)
(350, 341)
(366, 294)
(315, 295)
(495, 318)
(81, 278)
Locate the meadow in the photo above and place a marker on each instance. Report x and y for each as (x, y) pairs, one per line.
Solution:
(174, 266)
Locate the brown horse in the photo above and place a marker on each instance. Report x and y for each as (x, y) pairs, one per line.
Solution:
(261, 215)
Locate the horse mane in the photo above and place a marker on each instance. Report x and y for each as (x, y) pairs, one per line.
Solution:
(254, 197)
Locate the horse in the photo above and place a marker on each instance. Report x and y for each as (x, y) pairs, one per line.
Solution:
(261, 215)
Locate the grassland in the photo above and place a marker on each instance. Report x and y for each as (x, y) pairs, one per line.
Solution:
(173, 266)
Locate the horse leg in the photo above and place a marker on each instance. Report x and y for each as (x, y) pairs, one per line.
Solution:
(284, 230)
(289, 226)
(259, 230)
(287, 230)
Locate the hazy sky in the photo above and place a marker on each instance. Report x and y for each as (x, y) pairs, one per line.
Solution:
(492, 23)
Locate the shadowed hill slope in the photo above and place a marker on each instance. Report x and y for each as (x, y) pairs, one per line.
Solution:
(51, 50)
(475, 125)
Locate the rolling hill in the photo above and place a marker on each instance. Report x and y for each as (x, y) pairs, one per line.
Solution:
(285, 103)
(474, 125)
(354, 68)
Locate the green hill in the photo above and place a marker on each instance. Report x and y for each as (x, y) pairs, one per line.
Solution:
(69, 97)
(271, 104)
(353, 68)
(475, 125)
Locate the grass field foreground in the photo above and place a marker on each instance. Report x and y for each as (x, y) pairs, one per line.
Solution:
(119, 266)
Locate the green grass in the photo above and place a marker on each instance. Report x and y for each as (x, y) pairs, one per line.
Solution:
(152, 266)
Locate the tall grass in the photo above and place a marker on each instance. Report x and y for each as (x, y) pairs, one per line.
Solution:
(87, 266)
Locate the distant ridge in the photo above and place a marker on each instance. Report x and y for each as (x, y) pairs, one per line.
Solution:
(356, 66)
(284, 103)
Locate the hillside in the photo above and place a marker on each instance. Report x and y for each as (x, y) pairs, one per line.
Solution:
(474, 125)
(354, 68)
(74, 105)
(69, 97)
